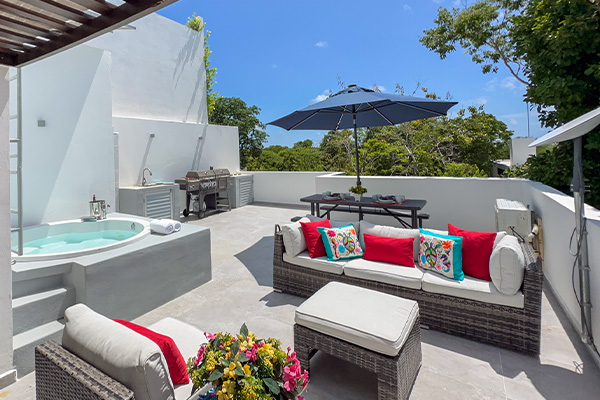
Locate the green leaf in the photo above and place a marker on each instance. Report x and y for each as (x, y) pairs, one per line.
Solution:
(272, 385)
(216, 374)
(244, 330)
(225, 362)
(242, 357)
(239, 371)
(216, 343)
(235, 347)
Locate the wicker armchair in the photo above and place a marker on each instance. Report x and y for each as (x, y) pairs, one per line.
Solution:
(60, 374)
(518, 329)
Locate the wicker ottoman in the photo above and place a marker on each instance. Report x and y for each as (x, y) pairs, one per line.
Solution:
(374, 330)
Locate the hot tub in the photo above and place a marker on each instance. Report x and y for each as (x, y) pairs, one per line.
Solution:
(66, 239)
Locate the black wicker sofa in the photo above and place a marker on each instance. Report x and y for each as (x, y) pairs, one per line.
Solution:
(517, 329)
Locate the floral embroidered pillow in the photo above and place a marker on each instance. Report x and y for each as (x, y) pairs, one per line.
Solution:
(441, 254)
(341, 243)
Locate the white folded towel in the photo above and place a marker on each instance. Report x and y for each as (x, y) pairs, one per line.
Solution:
(176, 224)
(162, 226)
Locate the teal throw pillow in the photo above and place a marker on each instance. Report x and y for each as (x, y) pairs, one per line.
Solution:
(441, 254)
(341, 243)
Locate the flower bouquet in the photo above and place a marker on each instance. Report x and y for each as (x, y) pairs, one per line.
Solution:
(242, 367)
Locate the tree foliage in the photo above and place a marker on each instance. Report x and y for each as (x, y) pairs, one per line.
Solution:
(553, 47)
(234, 111)
(464, 145)
(195, 22)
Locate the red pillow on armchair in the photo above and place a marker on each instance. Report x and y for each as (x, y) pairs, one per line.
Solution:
(313, 238)
(476, 251)
(175, 362)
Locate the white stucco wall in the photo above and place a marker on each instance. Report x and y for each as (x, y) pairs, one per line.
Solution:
(6, 350)
(71, 158)
(284, 187)
(173, 150)
(520, 150)
(157, 70)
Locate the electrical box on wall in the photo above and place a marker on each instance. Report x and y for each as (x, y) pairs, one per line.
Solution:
(513, 217)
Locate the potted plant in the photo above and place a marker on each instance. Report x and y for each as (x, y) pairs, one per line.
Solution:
(243, 367)
(358, 189)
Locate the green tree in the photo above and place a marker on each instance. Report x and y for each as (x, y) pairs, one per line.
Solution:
(234, 111)
(195, 22)
(551, 46)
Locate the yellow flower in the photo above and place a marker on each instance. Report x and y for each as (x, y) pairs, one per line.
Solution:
(246, 369)
(229, 371)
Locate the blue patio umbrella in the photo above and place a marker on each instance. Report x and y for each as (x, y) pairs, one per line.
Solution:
(357, 107)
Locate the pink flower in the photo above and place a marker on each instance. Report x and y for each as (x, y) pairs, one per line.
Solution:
(210, 336)
(330, 233)
(200, 355)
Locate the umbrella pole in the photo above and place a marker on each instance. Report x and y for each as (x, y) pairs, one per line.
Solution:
(356, 148)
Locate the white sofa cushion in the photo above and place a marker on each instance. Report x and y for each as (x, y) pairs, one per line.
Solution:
(507, 265)
(390, 231)
(470, 288)
(376, 321)
(293, 237)
(188, 340)
(408, 277)
(319, 263)
(119, 352)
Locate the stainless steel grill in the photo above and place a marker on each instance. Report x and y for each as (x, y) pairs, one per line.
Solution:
(208, 188)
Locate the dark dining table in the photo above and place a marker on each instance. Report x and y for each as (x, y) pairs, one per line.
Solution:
(366, 205)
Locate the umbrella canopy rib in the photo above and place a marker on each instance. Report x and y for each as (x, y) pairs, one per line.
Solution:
(304, 120)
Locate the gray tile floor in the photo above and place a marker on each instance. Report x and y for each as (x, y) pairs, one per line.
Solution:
(453, 368)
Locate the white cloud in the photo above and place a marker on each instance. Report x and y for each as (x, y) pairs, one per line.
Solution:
(275, 66)
(513, 119)
(321, 97)
(321, 43)
(407, 7)
(481, 100)
(507, 83)
(438, 1)
(380, 88)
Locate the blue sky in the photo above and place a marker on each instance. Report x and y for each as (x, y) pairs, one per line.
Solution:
(282, 56)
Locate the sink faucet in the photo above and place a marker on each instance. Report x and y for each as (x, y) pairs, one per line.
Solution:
(144, 181)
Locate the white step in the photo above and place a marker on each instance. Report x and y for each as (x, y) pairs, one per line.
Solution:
(24, 345)
(40, 308)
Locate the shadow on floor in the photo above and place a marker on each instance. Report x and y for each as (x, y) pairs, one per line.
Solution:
(275, 299)
(549, 380)
(258, 259)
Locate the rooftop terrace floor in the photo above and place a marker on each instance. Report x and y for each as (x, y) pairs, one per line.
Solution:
(453, 368)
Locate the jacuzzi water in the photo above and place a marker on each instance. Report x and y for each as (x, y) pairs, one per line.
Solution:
(75, 238)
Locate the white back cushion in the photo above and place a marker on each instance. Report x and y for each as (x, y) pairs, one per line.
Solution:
(390, 231)
(293, 237)
(119, 352)
(507, 265)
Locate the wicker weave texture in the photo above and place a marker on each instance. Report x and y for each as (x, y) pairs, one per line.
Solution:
(61, 375)
(517, 329)
(395, 375)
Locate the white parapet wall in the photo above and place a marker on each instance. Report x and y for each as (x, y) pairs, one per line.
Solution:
(7, 373)
(284, 187)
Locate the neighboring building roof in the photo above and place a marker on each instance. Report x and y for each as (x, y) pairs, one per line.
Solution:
(32, 29)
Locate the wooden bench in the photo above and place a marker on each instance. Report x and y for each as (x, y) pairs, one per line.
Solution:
(376, 211)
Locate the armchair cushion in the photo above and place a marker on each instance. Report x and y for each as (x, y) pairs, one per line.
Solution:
(507, 265)
(119, 352)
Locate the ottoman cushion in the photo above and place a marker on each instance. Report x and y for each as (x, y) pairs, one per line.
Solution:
(376, 321)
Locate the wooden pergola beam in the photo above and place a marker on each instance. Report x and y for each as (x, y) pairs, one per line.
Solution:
(20, 29)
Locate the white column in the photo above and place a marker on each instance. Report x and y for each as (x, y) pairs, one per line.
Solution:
(7, 373)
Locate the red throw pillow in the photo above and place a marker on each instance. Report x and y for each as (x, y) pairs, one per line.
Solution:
(314, 242)
(476, 251)
(175, 362)
(389, 250)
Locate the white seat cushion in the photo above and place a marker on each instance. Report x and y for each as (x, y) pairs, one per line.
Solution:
(470, 288)
(409, 277)
(119, 352)
(188, 340)
(317, 263)
(390, 231)
(507, 265)
(376, 321)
